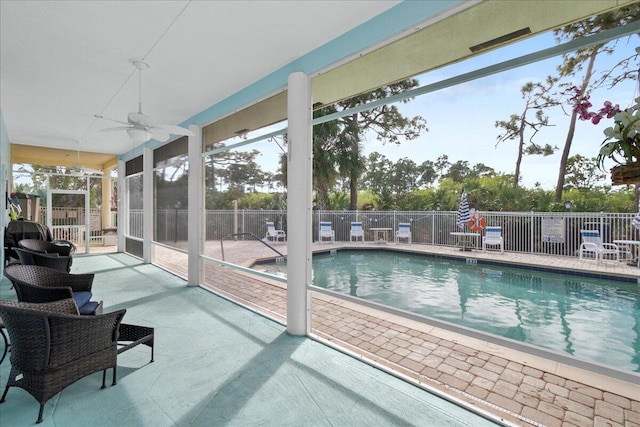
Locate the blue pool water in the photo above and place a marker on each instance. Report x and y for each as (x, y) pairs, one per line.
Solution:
(594, 319)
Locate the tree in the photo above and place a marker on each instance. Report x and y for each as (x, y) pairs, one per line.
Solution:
(442, 164)
(236, 169)
(404, 176)
(428, 174)
(378, 168)
(582, 173)
(326, 144)
(583, 60)
(458, 171)
(385, 122)
(536, 100)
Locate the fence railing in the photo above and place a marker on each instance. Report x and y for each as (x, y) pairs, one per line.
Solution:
(551, 233)
(70, 224)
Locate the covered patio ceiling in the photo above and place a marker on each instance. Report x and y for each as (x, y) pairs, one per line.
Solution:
(62, 63)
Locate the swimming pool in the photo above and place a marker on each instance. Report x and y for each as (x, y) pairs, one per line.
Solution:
(590, 318)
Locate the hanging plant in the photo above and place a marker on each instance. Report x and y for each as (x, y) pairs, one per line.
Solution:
(622, 140)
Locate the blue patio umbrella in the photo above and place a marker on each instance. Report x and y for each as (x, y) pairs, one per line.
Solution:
(636, 221)
(463, 216)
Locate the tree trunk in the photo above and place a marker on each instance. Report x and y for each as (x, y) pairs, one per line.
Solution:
(516, 175)
(353, 190)
(322, 196)
(572, 128)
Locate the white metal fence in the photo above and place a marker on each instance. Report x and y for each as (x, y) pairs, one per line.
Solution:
(552, 233)
(70, 224)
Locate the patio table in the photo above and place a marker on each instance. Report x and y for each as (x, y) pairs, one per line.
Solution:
(381, 235)
(465, 240)
(630, 248)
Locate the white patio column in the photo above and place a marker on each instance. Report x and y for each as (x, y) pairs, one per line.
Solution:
(106, 198)
(196, 208)
(299, 165)
(147, 204)
(123, 206)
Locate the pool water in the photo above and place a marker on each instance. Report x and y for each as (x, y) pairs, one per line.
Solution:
(593, 319)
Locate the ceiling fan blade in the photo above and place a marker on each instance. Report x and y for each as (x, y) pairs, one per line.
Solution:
(111, 120)
(159, 134)
(175, 130)
(79, 168)
(114, 129)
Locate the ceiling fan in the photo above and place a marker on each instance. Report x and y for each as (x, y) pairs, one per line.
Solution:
(79, 168)
(141, 127)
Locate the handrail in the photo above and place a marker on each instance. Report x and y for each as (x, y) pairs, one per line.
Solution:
(255, 238)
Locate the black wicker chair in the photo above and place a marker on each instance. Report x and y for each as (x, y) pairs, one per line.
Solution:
(37, 284)
(50, 260)
(60, 247)
(52, 346)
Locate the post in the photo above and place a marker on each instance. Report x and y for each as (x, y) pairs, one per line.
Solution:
(235, 219)
(195, 209)
(299, 158)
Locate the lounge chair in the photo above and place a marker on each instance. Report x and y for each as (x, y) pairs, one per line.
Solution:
(326, 232)
(404, 232)
(52, 346)
(356, 231)
(492, 237)
(273, 234)
(37, 284)
(592, 242)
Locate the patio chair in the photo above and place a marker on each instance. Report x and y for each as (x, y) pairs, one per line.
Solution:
(52, 346)
(273, 234)
(50, 260)
(356, 231)
(37, 284)
(326, 232)
(21, 229)
(60, 247)
(404, 232)
(492, 237)
(592, 242)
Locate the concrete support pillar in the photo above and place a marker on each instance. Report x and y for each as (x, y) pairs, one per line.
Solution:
(106, 198)
(196, 207)
(299, 166)
(123, 206)
(147, 204)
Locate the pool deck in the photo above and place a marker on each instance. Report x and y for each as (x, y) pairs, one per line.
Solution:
(517, 387)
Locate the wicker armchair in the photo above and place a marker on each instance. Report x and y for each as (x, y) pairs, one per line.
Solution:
(50, 260)
(52, 346)
(41, 284)
(60, 247)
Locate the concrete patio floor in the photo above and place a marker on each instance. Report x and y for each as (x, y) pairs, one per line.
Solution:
(218, 364)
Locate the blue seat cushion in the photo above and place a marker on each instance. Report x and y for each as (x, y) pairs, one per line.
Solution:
(81, 298)
(88, 308)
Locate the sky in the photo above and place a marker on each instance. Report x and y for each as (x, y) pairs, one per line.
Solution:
(460, 119)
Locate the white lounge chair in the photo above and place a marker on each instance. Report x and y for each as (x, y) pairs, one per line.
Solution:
(326, 232)
(356, 231)
(492, 236)
(273, 234)
(592, 242)
(404, 232)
